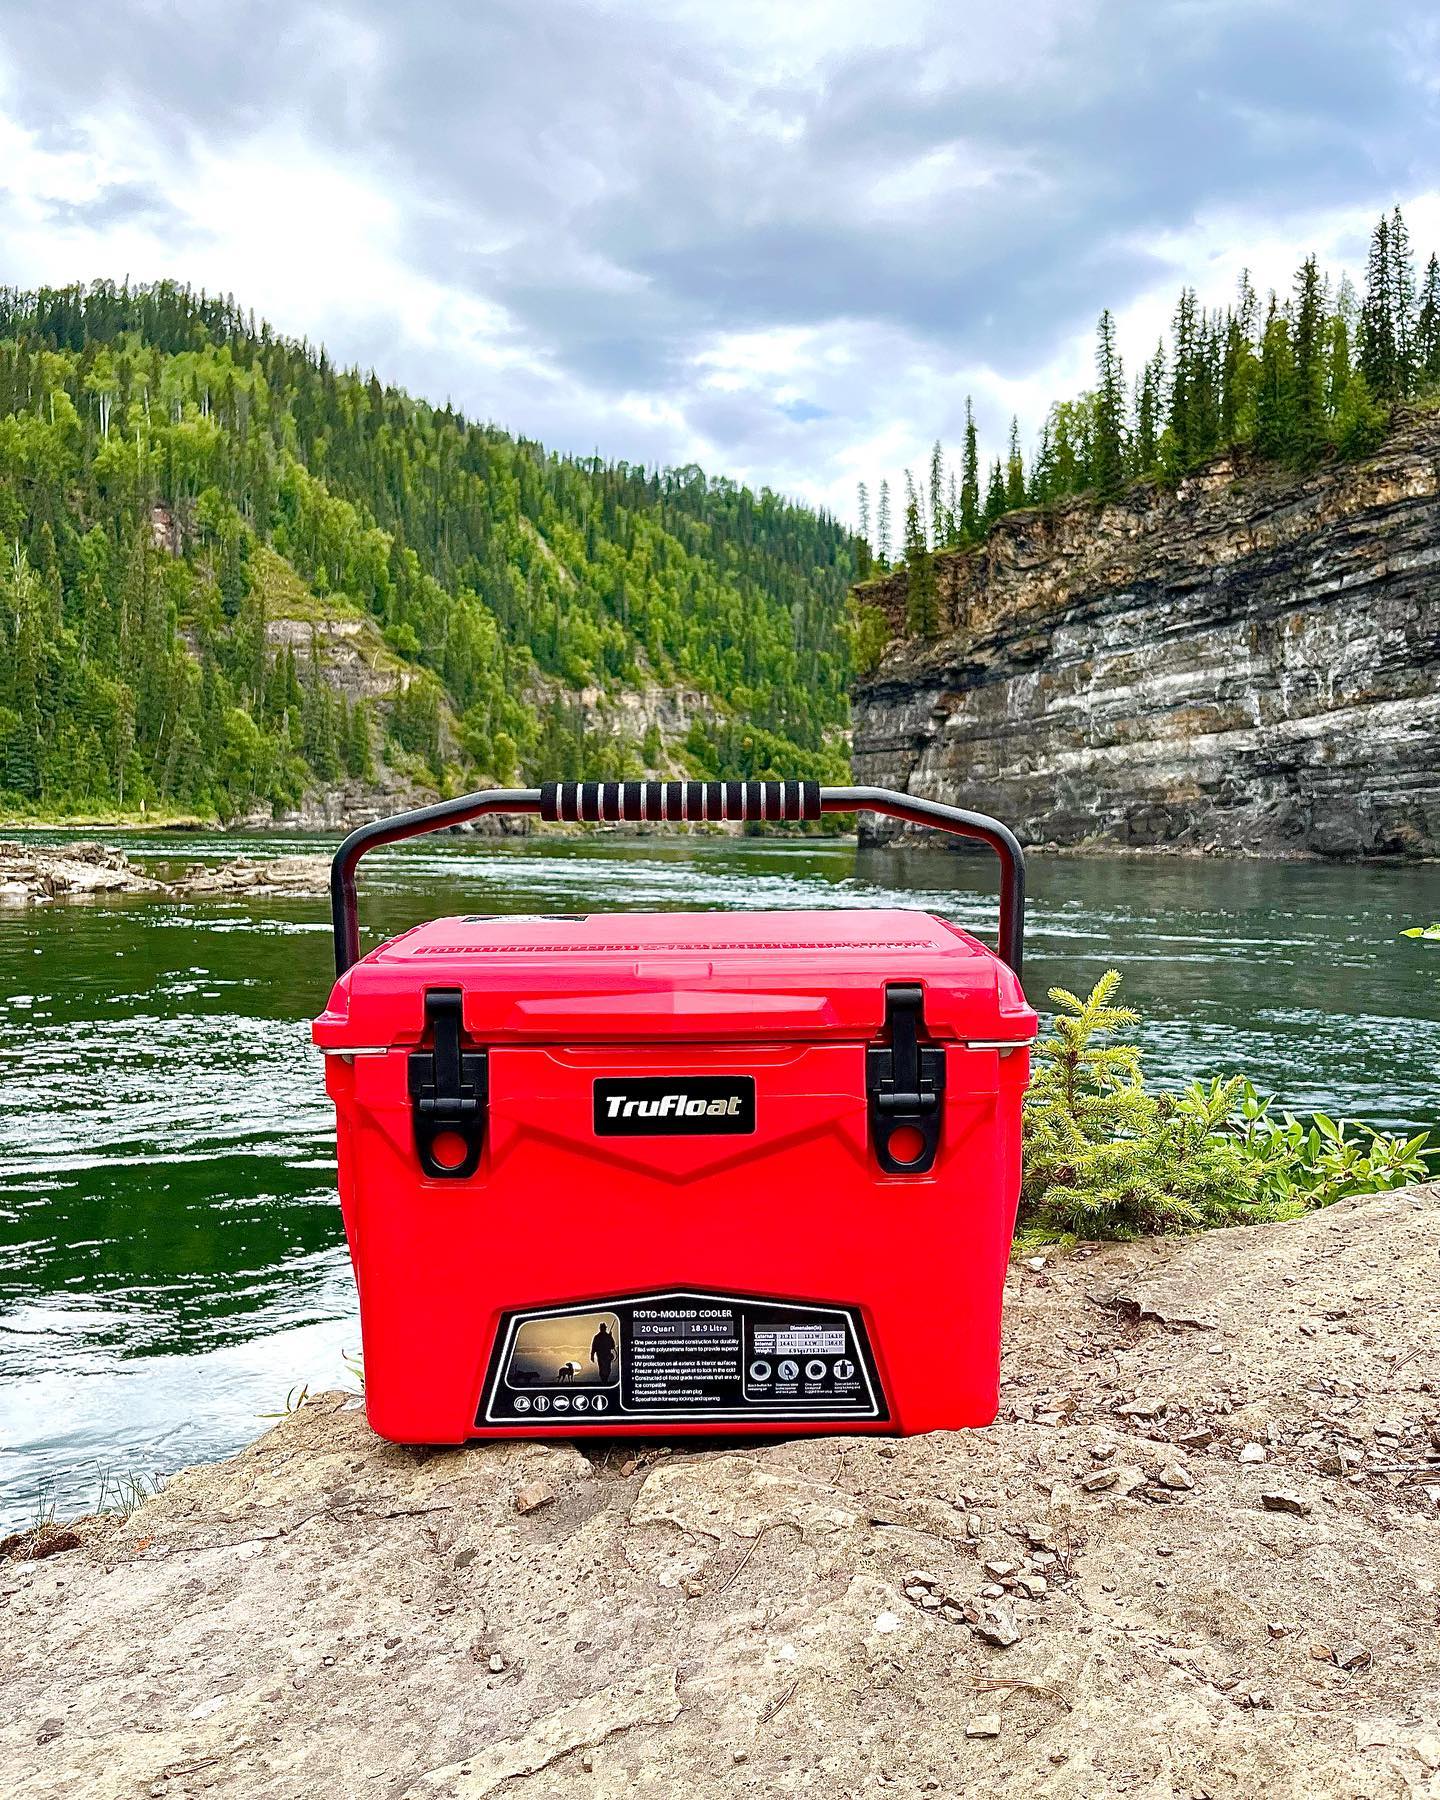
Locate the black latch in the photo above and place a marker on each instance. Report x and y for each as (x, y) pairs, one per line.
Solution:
(905, 1080)
(449, 1089)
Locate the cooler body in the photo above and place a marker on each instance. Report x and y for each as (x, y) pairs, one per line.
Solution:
(750, 1173)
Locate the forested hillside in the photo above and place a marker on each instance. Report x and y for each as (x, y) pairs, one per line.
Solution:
(193, 510)
(1293, 381)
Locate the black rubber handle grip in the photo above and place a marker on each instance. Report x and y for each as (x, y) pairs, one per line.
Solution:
(707, 800)
(677, 802)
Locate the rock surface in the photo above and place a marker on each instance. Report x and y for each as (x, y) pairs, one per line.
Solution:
(1248, 663)
(36, 872)
(965, 1613)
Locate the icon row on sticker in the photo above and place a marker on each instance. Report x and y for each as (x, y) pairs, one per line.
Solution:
(562, 1403)
(815, 1370)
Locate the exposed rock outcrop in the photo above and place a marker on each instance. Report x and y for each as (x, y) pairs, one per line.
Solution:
(30, 872)
(1248, 663)
(34, 872)
(1195, 1556)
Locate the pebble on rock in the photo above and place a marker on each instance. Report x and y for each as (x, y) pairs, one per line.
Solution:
(987, 1725)
(539, 1493)
(994, 1623)
(1254, 1453)
(1282, 1501)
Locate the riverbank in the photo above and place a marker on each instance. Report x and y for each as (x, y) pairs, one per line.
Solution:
(32, 874)
(1085, 850)
(1195, 1554)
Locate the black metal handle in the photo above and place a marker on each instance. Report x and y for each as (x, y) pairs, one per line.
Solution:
(954, 819)
(674, 802)
(343, 907)
(635, 801)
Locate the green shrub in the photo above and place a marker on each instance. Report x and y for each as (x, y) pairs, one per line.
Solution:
(1106, 1158)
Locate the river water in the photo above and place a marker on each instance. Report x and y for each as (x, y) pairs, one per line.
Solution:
(172, 1263)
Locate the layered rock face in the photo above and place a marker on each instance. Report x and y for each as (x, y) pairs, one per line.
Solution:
(1250, 662)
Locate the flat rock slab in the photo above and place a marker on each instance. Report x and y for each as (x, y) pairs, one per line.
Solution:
(327, 1614)
(34, 873)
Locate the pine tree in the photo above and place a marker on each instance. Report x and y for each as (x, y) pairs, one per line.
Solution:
(1206, 397)
(939, 529)
(1308, 374)
(1402, 263)
(1182, 435)
(1427, 327)
(1338, 371)
(882, 526)
(1380, 354)
(995, 494)
(1240, 367)
(970, 479)
(1149, 414)
(1014, 469)
(922, 605)
(1275, 401)
(863, 498)
(1108, 464)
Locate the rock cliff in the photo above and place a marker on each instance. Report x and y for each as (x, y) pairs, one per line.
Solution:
(1247, 662)
(1195, 1556)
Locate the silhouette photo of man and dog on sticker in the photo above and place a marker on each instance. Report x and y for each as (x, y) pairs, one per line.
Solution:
(579, 1351)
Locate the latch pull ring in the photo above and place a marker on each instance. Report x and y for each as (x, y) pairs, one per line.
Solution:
(449, 1091)
(904, 1080)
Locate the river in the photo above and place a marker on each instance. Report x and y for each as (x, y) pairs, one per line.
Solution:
(172, 1263)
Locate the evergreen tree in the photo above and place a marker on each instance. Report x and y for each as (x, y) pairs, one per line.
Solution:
(1108, 462)
(922, 605)
(1427, 327)
(1014, 469)
(1338, 371)
(1308, 364)
(169, 477)
(995, 498)
(1149, 414)
(939, 528)
(1182, 437)
(882, 526)
(1240, 373)
(1402, 263)
(1381, 358)
(1275, 410)
(970, 479)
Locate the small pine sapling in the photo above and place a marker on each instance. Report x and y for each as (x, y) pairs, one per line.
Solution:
(1105, 1158)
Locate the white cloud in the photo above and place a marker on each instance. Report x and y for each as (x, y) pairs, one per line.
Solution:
(786, 241)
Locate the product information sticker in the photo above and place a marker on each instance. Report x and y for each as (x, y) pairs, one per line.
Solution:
(681, 1356)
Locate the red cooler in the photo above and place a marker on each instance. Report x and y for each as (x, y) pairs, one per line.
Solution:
(679, 1172)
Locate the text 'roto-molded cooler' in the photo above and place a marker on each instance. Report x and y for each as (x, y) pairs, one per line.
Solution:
(668, 1172)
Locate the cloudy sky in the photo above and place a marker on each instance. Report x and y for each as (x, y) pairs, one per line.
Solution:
(782, 238)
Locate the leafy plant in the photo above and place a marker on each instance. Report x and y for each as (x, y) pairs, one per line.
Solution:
(1328, 1159)
(1105, 1157)
(1422, 931)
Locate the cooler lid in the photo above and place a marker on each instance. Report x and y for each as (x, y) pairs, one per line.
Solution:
(615, 976)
